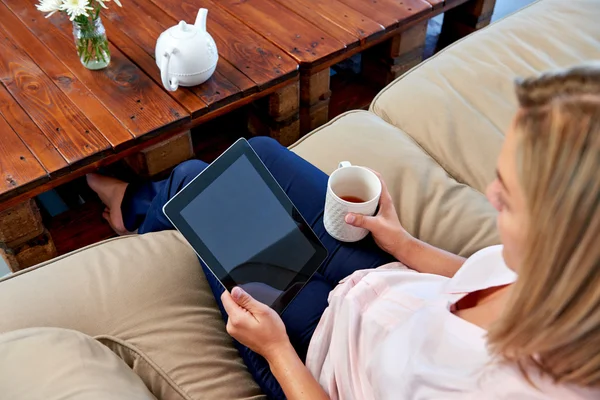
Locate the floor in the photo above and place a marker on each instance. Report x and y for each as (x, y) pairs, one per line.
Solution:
(54, 204)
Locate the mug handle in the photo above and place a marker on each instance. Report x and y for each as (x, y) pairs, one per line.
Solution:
(344, 164)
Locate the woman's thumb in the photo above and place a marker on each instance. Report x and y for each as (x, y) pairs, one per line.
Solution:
(358, 220)
(242, 298)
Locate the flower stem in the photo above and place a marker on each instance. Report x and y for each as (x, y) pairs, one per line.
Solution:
(91, 41)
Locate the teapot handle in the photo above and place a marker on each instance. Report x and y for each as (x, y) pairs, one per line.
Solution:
(169, 84)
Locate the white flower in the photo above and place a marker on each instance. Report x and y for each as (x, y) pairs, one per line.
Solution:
(75, 8)
(49, 6)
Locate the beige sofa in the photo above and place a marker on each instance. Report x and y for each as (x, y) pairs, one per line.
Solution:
(434, 134)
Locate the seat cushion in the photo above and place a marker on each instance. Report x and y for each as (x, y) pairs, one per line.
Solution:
(431, 204)
(466, 98)
(55, 364)
(146, 298)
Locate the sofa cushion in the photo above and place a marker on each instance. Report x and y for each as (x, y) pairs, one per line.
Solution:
(466, 99)
(431, 204)
(147, 299)
(54, 364)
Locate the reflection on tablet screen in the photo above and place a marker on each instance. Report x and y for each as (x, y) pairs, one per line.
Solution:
(255, 240)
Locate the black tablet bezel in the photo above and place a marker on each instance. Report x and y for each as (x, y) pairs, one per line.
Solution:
(172, 210)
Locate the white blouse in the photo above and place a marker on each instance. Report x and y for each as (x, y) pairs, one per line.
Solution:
(388, 333)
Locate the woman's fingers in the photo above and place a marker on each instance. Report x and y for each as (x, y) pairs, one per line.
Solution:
(386, 198)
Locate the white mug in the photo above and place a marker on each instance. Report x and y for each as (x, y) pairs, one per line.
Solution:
(350, 189)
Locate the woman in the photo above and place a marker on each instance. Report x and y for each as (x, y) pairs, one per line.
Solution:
(518, 321)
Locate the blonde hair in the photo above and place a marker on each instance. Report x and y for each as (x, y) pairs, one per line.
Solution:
(552, 321)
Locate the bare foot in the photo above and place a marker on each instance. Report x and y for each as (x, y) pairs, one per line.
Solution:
(111, 191)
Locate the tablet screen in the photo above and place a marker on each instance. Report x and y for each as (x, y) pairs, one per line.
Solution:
(258, 242)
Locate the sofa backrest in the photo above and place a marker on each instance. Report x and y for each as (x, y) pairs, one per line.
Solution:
(458, 104)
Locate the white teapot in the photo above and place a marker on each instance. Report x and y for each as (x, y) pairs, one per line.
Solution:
(186, 54)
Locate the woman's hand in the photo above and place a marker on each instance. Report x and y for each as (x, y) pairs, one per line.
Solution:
(259, 327)
(254, 324)
(388, 232)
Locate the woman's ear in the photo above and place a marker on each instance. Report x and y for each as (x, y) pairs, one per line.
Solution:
(493, 194)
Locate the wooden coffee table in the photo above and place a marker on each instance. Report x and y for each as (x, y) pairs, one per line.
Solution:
(59, 121)
(319, 33)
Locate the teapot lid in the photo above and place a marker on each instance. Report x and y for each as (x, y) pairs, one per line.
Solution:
(182, 31)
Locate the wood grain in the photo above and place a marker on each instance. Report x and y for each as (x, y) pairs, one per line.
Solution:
(114, 132)
(246, 50)
(289, 31)
(18, 166)
(62, 122)
(336, 18)
(130, 95)
(390, 13)
(12, 198)
(138, 47)
(39, 145)
(218, 90)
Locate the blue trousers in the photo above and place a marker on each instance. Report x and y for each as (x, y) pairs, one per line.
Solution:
(306, 186)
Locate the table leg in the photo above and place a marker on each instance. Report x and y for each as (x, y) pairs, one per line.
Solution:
(385, 62)
(24, 241)
(465, 19)
(277, 115)
(314, 100)
(162, 156)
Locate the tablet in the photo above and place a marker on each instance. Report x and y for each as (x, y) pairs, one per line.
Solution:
(245, 229)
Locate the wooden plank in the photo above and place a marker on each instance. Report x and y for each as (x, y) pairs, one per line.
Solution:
(139, 103)
(339, 20)
(18, 166)
(246, 50)
(289, 31)
(162, 156)
(314, 12)
(314, 88)
(218, 90)
(390, 13)
(147, 63)
(435, 4)
(114, 132)
(235, 76)
(143, 22)
(33, 252)
(30, 134)
(61, 121)
(284, 103)
(20, 224)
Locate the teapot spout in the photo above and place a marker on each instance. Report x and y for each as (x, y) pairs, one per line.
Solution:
(201, 19)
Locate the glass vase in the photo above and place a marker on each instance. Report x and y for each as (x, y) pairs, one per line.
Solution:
(91, 42)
